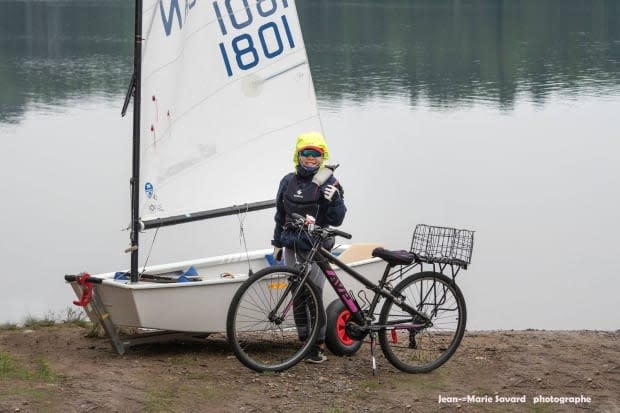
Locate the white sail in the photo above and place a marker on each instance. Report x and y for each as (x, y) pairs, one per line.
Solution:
(226, 88)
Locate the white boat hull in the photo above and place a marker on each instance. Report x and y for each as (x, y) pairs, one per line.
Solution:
(202, 306)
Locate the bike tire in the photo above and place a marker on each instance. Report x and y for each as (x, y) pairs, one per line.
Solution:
(336, 338)
(420, 350)
(262, 344)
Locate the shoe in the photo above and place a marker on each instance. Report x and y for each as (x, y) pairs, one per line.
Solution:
(316, 356)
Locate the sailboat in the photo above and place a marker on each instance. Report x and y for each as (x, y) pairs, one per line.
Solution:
(214, 83)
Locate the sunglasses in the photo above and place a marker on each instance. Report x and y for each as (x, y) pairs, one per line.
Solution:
(311, 152)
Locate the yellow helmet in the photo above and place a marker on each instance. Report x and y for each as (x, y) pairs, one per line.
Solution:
(314, 140)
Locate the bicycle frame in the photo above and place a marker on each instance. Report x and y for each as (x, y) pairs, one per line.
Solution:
(350, 302)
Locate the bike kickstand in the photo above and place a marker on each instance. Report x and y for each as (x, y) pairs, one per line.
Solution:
(373, 340)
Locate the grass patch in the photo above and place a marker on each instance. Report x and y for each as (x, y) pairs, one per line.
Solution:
(540, 408)
(160, 400)
(95, 331)
(367, 389)
(76, 317)
(422, 385)
(11, 368)
(370, 385)
(479, 391)
(33, 323)
(27, 392)
(28, 380)
(429, 381)
(71, 316)
(44, 372)
(209, 393)
(182, 360)
(204, 377)
(183, 395)
(8, 327)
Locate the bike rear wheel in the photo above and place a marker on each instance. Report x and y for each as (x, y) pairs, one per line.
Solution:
(267, 329)
(408, 345)
(336, 338)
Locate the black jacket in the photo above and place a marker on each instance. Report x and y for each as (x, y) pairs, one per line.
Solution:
(326, 212)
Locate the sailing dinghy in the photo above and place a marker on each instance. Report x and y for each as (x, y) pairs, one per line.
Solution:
(214, 83)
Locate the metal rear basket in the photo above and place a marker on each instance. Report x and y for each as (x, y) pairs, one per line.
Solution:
(442, 245)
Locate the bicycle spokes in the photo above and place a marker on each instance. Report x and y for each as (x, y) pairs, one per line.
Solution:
(273, 319)
(423, 331)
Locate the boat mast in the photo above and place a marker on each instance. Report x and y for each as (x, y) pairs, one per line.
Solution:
(135, 175)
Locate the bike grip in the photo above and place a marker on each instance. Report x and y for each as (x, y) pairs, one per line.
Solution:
(297, 217)
(70, 278)
(342, 234)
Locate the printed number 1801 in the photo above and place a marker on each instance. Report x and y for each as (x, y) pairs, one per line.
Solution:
(247, 49)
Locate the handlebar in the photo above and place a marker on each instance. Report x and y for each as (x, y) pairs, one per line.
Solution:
(73, 278)
(340, 233)
(301, 222)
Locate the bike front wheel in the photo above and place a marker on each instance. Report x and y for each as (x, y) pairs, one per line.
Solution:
(273, 319)
(409, 343)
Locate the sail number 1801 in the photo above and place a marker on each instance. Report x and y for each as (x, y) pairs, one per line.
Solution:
(247, 49)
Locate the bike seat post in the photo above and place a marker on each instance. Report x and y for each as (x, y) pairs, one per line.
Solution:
(386, 273)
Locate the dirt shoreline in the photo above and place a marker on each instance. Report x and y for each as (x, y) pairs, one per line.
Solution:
(59, 369)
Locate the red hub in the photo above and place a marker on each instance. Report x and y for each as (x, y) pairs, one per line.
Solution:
(341, 322)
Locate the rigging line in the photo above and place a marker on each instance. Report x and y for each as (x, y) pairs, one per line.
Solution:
(242, 239)
(149, 253)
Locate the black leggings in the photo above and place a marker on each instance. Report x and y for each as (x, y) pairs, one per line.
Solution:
(317, 278)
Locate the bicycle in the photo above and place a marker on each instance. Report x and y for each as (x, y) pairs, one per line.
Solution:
(421, 320)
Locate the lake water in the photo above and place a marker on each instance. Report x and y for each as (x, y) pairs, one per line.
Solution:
(496, 116)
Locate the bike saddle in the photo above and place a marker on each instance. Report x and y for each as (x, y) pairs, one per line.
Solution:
(400, 257)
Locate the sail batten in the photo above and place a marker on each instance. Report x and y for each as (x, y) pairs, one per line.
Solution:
(225, 90)
(254, 82)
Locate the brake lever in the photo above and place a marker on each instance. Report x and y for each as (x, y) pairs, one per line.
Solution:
(299, 221)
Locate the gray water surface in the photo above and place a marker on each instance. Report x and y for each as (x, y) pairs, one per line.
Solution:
(500, 117)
